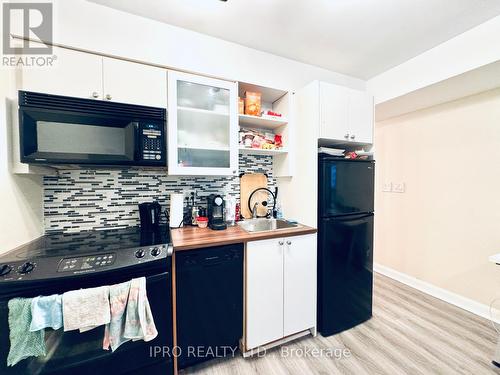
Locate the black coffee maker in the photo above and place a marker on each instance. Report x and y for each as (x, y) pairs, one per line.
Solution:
(215, 211)
(150, 214)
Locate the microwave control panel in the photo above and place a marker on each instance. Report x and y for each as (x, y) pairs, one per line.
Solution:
(152, 142)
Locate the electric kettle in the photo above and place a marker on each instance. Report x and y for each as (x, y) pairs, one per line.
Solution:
(149, 214)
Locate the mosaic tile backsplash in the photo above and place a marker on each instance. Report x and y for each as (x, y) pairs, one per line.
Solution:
(87, 199)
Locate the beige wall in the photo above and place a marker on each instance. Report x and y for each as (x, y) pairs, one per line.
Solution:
(21, 202)
(447, 223)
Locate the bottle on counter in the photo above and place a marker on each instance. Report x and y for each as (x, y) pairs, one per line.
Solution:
(230, 208)
(237, 212)
(194, 215)
(279, 210)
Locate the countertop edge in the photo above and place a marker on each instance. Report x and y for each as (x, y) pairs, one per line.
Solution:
(242, 237)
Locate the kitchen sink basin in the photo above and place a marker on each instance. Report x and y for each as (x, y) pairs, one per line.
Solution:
(265, 225)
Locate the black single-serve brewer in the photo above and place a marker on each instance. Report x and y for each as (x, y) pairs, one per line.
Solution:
(215, 211)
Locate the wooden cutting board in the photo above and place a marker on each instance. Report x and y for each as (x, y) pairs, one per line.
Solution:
(248, 183)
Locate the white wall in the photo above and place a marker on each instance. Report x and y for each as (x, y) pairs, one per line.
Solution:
(21, 199)
(470, 50)
(447, 223)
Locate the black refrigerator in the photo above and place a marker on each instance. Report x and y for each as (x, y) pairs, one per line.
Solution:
(345, 243)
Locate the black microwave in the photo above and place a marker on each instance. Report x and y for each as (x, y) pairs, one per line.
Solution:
(57, 129)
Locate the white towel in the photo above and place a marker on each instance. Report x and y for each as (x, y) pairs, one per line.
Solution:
(86, 309)
(139, 322)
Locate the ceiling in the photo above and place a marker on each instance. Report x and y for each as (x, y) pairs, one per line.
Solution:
(361, 38)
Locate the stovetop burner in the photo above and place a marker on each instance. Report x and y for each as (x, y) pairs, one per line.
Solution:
(90, 242)
(84, 252)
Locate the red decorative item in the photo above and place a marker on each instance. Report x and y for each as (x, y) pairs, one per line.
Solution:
(278, 141)
(271, 113)
(237, 212)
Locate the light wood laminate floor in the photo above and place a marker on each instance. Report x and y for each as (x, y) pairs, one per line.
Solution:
(410, 333)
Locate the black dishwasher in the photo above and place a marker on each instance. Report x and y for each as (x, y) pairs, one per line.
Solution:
(209, 288)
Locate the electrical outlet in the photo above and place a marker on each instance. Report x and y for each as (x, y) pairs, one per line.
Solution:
(387, 187)
(399, 187)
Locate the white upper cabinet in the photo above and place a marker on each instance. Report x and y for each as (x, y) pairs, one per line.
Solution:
(85, 75)
(360, 116)
(134, 83)
(346, 115)
(334, 116)
(74, 73)
(203, 125)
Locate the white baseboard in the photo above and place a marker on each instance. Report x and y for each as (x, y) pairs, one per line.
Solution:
(437, 292)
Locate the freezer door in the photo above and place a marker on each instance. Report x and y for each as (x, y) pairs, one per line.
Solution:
(345, 187)
(345, 272)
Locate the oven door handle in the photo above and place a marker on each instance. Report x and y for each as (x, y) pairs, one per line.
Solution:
(157, 277)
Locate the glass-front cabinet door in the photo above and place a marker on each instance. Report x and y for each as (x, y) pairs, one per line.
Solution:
(202, 125)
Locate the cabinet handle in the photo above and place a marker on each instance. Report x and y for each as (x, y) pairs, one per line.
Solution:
(108, 97)
(346, 136)
(281, 243)
(353, 136)
(95, 94)
(288, 242)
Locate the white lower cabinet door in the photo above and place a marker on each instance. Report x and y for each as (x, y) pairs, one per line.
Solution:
(299, 283)
(264, 292)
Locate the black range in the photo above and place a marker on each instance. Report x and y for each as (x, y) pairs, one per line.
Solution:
(60, 262)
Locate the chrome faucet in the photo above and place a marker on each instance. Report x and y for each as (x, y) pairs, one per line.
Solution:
(254, 210)
(272, 212)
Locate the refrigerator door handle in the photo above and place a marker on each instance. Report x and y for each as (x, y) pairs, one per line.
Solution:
(356, 216)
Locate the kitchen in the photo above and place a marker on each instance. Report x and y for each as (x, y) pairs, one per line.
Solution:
(195, 184)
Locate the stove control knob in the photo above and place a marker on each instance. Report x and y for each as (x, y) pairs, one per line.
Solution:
(5, 269)
(26, 268)
(156, 251)
(140, 253)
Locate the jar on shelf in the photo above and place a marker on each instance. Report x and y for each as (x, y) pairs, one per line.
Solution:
(241, 106)
(252, 103)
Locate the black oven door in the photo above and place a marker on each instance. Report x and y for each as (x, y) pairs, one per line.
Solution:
(81, 353)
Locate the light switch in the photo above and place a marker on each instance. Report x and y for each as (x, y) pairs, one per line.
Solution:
(387, 187)
(399, 187)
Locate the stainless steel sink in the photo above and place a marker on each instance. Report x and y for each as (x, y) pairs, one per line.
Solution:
(265, 225)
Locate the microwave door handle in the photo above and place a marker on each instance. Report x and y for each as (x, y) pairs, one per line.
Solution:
(138, 142)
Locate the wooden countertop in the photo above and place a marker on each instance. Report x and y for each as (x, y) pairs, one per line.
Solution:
(188, 238)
